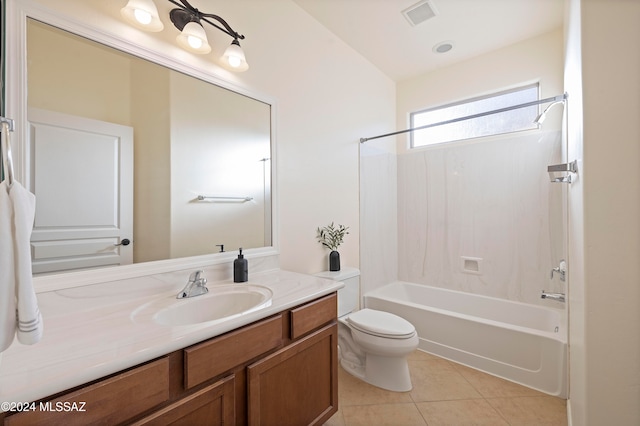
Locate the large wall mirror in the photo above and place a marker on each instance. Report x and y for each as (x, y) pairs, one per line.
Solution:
(132, 161)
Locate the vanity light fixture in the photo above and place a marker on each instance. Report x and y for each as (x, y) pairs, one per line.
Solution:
(188, 20)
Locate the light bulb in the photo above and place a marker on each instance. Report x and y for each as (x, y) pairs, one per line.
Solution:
(234, 61)
(194, 42)
(194, 39)
(142, 16)
(234, 57)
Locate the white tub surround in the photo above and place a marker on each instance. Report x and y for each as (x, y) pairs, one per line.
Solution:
(523, 343)
(93, 331)
(482, 217)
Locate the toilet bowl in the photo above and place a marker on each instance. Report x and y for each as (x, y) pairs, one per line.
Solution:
(372, 345)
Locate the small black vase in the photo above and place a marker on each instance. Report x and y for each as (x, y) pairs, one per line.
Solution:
(334, 261)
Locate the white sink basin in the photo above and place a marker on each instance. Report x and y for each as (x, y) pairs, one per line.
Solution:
(220, 303)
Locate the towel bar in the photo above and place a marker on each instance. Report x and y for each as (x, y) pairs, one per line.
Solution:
(220, 198)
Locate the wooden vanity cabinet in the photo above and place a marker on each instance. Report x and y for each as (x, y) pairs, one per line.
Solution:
(281, 370)
(109, 401)
(214, 357)
(212, 405)
(298, 385)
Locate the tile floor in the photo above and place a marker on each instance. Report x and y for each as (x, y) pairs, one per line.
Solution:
(445, 393)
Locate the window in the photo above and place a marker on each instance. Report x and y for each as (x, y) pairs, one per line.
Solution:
(492, 124)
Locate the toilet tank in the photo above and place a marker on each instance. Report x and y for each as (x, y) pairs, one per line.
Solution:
(349, 295)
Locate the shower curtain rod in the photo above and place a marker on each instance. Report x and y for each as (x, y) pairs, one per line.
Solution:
(469, 117)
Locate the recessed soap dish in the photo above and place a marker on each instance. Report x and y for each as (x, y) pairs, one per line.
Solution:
(471, 265)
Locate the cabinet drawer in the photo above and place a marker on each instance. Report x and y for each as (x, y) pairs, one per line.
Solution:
(217, 356)
(313, 315)
(213, 405)
(110, 401)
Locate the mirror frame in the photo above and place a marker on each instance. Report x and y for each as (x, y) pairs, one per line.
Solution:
(17, 13)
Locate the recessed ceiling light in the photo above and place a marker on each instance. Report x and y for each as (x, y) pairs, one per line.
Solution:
(443, 47)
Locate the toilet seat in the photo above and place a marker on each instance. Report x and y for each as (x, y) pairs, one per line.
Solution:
(382, 324)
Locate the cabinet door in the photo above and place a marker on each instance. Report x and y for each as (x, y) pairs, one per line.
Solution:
(297, 385)
(213, 405)
(108, 402)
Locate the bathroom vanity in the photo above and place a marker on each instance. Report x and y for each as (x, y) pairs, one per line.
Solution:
(103, 362)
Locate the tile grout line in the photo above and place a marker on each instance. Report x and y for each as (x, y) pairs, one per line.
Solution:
(454, 365)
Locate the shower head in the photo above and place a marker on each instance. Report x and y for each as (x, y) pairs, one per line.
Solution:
(540, 118)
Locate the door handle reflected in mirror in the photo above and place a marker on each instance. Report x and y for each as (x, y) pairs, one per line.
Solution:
(124, 242)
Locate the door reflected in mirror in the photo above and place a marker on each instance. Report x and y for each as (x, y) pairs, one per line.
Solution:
(200, 161)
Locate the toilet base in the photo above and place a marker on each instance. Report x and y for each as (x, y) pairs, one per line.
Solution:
(390, 373)
(352, 368)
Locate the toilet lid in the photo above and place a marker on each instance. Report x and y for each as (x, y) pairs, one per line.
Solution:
(381, 323)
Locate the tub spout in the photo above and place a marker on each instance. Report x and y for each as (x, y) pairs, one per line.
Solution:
(553, 296)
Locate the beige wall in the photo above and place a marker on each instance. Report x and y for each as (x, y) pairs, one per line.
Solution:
(59, 78)
(538, 59)
(328, 97)
(152, 155)
(602, 76)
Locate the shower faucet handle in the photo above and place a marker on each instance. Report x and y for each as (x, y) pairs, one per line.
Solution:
(560, 269)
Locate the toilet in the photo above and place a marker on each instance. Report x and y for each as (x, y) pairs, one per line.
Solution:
(372, 345)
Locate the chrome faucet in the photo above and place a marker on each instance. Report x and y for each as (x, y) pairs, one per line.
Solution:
(196, 286)
(553, 296)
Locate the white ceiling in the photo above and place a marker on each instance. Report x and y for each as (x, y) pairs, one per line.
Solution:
(379, 31)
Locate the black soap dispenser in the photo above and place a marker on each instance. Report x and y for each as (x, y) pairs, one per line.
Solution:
(240, 269)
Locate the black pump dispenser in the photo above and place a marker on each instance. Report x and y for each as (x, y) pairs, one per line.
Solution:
(240, 269)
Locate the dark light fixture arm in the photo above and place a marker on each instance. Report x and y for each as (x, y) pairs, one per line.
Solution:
(227, 29)
(187, 13)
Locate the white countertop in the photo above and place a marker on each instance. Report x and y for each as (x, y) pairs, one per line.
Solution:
(91, 332)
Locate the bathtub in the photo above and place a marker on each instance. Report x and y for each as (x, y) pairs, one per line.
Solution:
(523, 343)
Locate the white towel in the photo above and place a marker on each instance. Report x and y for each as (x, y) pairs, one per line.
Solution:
(16, 285)
(29, 317)
(7, 273)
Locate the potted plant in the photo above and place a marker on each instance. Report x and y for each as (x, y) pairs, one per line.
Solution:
(331, 237)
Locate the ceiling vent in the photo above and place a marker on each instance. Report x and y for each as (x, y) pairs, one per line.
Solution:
(420, 12)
